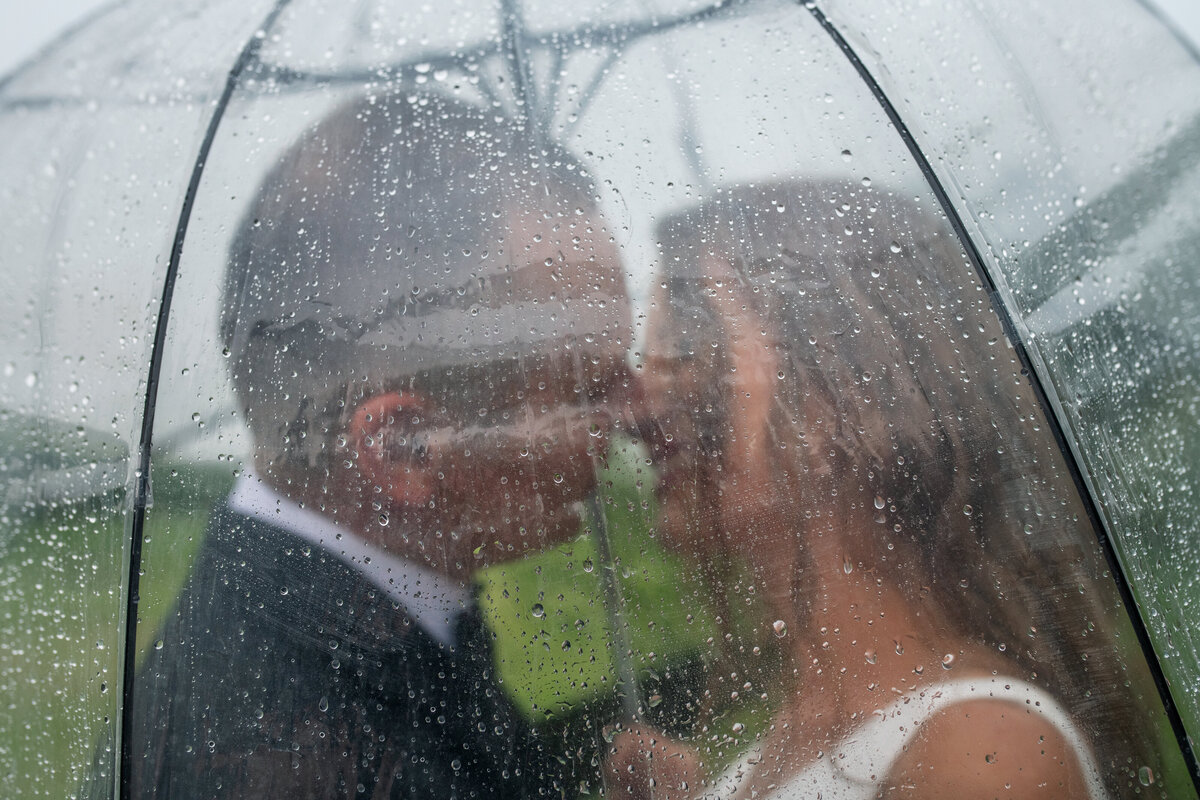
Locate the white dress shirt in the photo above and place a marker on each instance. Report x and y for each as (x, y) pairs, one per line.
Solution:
(432, 600)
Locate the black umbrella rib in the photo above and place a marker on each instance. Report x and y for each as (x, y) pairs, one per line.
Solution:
(248, 56)
(1020, 346)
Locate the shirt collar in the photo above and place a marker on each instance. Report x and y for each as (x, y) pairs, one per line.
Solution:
(432, 600)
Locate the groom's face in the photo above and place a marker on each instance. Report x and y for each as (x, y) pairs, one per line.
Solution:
(508, 446)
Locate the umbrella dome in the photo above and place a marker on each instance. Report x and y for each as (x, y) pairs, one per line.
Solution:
(1026, 179)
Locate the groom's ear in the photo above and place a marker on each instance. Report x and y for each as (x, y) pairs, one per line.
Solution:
(389, 433)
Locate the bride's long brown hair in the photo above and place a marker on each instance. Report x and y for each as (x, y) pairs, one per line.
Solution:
(890, 351)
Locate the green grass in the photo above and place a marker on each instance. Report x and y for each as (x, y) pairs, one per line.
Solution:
(555, 648)
(60, 612)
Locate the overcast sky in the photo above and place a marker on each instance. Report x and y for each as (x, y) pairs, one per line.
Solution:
(27, 26)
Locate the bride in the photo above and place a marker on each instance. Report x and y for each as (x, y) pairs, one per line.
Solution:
(838, 407)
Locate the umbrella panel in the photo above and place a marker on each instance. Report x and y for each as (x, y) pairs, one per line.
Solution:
(99, 143)
(767, 202)
(1078, 169)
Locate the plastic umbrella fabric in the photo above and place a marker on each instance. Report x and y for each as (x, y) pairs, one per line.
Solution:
(1048, 157)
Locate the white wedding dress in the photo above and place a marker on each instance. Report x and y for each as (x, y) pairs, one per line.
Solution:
(856, 767)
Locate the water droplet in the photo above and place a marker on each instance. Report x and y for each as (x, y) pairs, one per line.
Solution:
(456, 764)
(894, 247)
(968, 510)
(738, 728)
(847, 156)
(323, 703)
(655, 700)
(870, 656)
(158, 645)
(1028, 529)
(1145, 776)
(780, 628)
(383, 519)
(879, 501)
(538, 611)
(847, 565)
(919, 669)
(948, 661)
(899, 649)
(990, 758)
(588, 566)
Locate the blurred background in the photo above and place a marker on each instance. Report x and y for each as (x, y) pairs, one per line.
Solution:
(26, 27)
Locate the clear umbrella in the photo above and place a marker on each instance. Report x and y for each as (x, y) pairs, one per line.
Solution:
(727, 174)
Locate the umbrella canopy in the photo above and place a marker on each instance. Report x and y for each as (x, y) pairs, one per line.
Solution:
(738, 275)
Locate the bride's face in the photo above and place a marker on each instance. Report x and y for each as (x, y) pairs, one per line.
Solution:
(711, 382)
(683, 371)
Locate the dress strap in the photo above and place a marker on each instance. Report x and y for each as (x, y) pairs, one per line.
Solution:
(868, 754)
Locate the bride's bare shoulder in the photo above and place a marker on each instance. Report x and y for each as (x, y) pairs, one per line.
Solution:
(987, 748)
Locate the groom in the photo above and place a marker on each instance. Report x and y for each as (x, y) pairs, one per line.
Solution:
(427, 325)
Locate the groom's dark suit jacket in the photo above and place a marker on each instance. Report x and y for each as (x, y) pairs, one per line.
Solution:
(283, 673)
